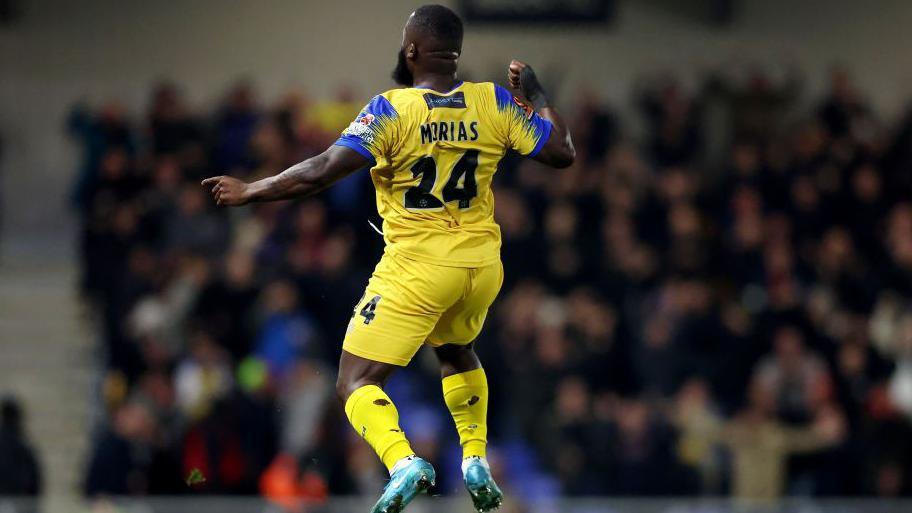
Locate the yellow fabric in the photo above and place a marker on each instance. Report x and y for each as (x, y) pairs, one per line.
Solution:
(454, 224)
(408, 303)
(375, 418)
(466, 396)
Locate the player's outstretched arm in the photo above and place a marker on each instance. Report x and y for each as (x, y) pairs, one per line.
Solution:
(558, 151)
(304, 179)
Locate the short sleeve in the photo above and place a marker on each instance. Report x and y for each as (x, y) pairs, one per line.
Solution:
(525, 130)
(372, 133)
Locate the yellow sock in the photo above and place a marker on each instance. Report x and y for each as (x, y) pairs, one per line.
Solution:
(375, 418)
(466, 396)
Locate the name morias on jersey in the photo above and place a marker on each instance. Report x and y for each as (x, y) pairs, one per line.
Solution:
(433, 131)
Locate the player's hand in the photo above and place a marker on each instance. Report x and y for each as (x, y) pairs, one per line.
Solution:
(228, 191)
(513, 72)
(523, 79)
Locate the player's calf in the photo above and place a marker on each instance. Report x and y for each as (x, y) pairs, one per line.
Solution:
(466, 396)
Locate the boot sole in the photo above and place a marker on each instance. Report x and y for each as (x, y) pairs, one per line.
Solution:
(485, 499)
(397, 505)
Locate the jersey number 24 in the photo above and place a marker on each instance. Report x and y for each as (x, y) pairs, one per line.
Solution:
(420, 196)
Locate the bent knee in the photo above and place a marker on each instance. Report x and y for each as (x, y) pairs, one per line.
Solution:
(455, 359)
(345, 387)
(448, 352)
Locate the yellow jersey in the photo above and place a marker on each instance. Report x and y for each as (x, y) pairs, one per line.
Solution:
(433, 158)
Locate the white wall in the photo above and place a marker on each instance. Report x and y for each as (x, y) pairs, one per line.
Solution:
(65, 50)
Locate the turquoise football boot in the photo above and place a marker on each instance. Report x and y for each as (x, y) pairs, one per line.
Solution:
(486, 495)
(404, 485)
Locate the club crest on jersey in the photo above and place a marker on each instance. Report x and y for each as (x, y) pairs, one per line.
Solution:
(361, 128)
(527, 109)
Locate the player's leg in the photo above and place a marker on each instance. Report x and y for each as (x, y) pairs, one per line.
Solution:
(465, 386)
(402, 304)
(368, 408)
(375, 417)
(465, 391)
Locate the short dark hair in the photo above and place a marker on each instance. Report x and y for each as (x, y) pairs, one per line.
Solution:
(440, 22)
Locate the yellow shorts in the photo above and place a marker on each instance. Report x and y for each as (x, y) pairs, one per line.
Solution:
(409, 303)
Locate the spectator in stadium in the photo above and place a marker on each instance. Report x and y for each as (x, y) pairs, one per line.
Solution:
(172, 129)
(235, 125)
(760, 444)
(20, 472)
(793, 377)
(122, 457)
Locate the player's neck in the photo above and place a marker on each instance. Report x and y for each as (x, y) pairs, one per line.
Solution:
(439, 83)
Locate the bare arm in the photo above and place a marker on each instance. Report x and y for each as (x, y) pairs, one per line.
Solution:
(300, 180)
(558, 150)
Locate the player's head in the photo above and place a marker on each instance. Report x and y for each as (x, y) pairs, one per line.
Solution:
(431, 42)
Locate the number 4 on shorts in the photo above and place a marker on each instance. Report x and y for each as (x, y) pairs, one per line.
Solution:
(368, 311)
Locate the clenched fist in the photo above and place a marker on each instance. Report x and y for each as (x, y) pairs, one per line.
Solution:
(513, 71)
(228, 191)
(522, 78)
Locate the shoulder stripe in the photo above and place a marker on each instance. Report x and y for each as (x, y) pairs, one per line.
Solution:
(543, 135)
(504, 97)
(369, 133)
(535, 130)
(380, 106)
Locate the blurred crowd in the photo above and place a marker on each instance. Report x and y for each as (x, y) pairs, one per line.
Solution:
(720, 304)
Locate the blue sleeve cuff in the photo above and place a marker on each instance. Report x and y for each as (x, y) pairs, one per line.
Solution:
(355, 144)
(546, 133)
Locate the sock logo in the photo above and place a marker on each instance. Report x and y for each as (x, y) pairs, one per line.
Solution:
(381, 402)
(473, 400)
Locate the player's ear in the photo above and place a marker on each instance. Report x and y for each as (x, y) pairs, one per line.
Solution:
(411, 51)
